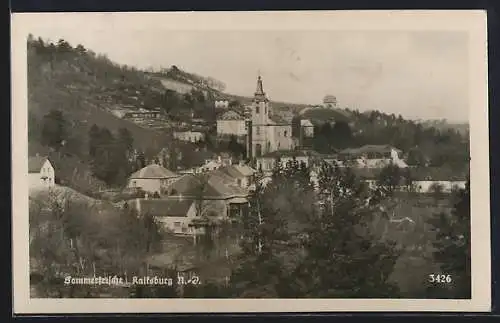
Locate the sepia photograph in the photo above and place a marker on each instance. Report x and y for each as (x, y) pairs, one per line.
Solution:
(250, 161)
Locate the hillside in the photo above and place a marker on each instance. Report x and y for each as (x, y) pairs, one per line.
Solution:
(84, 85)
(81, 89)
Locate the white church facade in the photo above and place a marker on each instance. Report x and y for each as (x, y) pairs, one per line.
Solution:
(268, 132)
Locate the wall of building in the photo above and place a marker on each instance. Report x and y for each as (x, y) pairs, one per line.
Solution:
(191, 136)
(448, 186)
(45, 178)
(281, 137)
(178, 224)
(150, 185)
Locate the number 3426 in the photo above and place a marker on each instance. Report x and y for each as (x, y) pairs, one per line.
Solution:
(440, 279)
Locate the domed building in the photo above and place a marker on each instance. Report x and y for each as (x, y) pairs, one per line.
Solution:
(330, 101)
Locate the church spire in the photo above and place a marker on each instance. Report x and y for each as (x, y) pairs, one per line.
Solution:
(259, 93)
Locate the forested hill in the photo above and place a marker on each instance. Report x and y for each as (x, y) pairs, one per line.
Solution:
(71, 89)
(422, 145)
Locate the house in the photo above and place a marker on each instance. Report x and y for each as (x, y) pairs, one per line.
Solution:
(41, 173)
(231, 123)
(152, 179)
(190, 136)
(427, 179)
(329, 101)
(242, 175)
(173, 214)
(307, 128)
(213, 164)
(221, 103)
(267, 162)
(212, 194)
(424, 179)
(373, 156)
(268, 131)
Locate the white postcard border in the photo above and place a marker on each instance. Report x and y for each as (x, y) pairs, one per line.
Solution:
(474, 22)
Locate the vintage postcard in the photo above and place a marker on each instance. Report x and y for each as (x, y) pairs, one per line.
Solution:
(307, 161)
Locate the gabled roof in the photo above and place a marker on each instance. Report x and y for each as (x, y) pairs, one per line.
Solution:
(165, 207)
(153, 171)
(245, 170)
(215, 187)
(35, 163)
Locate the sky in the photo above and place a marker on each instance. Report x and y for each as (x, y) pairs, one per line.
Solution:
(418, 74)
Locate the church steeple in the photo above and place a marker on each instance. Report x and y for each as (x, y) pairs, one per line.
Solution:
(259, 93)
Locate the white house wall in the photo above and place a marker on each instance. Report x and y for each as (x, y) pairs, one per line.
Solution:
(45, 178)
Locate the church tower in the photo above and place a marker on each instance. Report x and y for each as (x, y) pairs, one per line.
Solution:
(260, 121)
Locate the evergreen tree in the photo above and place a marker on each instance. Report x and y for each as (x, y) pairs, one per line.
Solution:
(125, 139)
(389, 179)
(54, 129)
(94, 134)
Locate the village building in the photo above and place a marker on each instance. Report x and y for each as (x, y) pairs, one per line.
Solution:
(211, 164)
(152, 179)
(189, 136)
(221, 103)
(269, 132)
(231, 123)
(213, 195)
(373, 156)
(306, 158)
(423, 179)
(307, 128)
(330, 102)
(173, 214)
(241, 174)
(41, 173)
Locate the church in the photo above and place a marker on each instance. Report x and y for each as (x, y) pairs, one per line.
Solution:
(267, 131)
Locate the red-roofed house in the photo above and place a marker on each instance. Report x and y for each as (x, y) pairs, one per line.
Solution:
(40, 172)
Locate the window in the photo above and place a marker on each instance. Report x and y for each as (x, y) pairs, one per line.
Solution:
(238, 181)
(257, 131)
(257, 109)
(284, 134)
